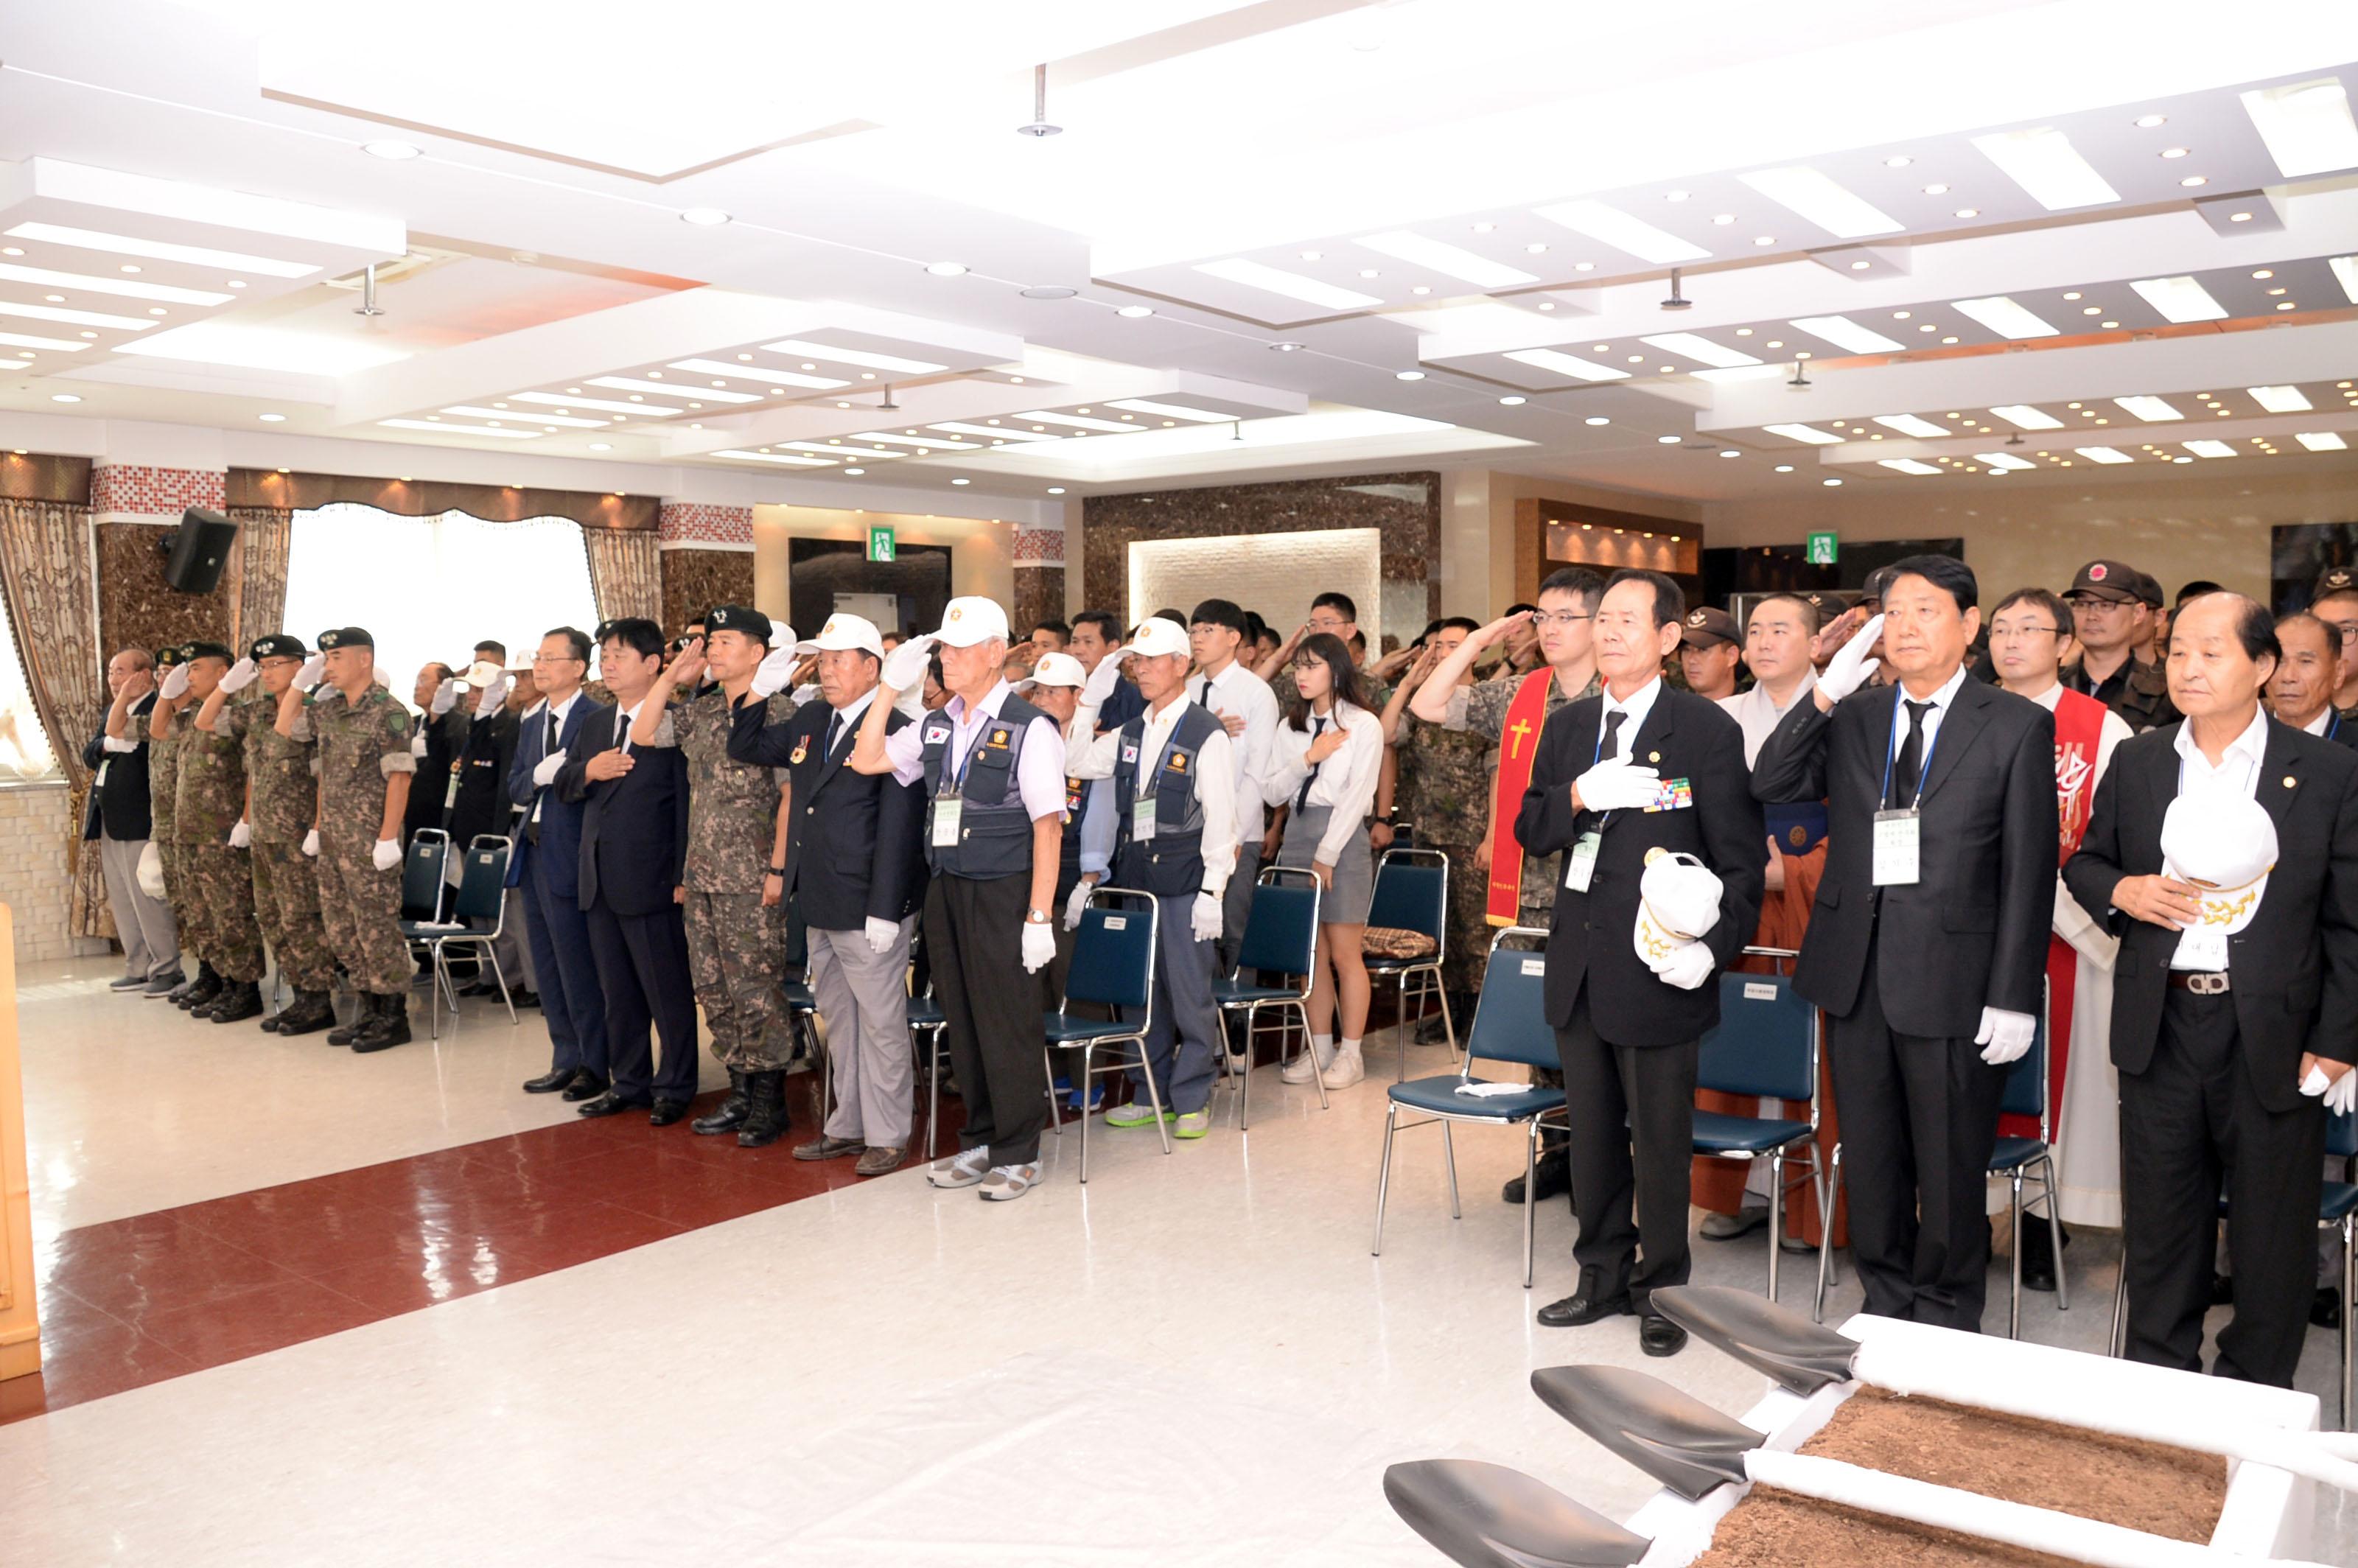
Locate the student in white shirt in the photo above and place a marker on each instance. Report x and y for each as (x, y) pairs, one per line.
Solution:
(1244, 703)
(1325, 764)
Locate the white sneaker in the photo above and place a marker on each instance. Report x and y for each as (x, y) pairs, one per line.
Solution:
(960, 1169)
(1302, 1069)
(1344, 1071)
(1006, 1182)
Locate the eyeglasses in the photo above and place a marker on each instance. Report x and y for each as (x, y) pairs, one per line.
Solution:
(1560, 618)
(557, 659)
(2010, 632)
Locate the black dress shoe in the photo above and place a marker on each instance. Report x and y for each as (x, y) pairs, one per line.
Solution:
(550, 1082)
(2325, 1307)
(2038, 1255)
(523, 998)
(666, 1111)
(1574, 1310)
(1658, 1335)
(609, 1104)
(2222, 1289)
(1555, 1179)
(587, 1085)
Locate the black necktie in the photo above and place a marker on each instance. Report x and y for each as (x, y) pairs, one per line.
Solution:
(834, 734)
(552, 747)
(1302, 795)
(1613, 718)
(1910, 769)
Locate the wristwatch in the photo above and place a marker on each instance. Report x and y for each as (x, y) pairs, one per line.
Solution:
(1035, 917)
(777, 871)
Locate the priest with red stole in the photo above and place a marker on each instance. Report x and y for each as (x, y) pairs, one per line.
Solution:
(2030, 640)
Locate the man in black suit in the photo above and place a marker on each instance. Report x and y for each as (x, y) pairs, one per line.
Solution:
(436, 733)
(547, 866)
(480, 805)
(2300, 693)
(1928, 941)
(1621, 779)
(849, 855)
(119, 825)
(633, 870)
(2231, 1019)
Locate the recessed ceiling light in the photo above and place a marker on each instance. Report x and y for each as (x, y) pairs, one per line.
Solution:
(1055, 489)
(855, 472)
(1565, 364)
(1541, 250)
(1313, 256)
(1969, 212)
(1936, 190)
(1547, 303)
(961, 481)
(2280, 399)
(1291, 286)
(2322, 441)
(2209, 448)
(1830, 484)
(1610, 225)
(2180, 299)
(1675, 195)
(1724, 218)
(1512, 401)
(2192, 181)
(1907, 465)
(947, 268)
(1845, 333)
(272, 419)
(1484, 228)
(2022, 415)
(1809, 433)
(2147, 122)
(1408, 375)
(1909, 425)
(63, 397)
(1860, 266)
(1285, 348)
(1451, 261)
(1134, 311)
(706, 217)
(55, 298)
(12, 250)
(2006, 317)
(1596, 420)
(1784, 468)
(1421, 288)
(2044, 163)
(2152, 410)
(1730, 452)
(1900, 160)
(1369, 272)
(1764, 239)
(392, 152)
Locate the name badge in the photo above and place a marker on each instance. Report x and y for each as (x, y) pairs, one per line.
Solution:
(1141, 818)
(1898, 842)
(1580, 863)
(100, 780)
(450, 792)
(948, 809)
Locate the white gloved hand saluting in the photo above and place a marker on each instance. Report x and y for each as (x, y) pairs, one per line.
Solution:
(1098, 690)
(242, 835)
(1078, 902)
(488, 700)
(446, 697)
(2004, 1035)
(241, 676)
(314, 671)
(543, 772)
(1618, 787)
(311, 843)
(1039, 942)
(905, 666)
(774, 674)
(1688, 968)
(882, 935)
(1206, 918)
(1848, 669)
(176, 684)
(386, 855)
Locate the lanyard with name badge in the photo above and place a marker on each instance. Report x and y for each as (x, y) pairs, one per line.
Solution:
(1580, 863)
(949, 806)
(1899, 832)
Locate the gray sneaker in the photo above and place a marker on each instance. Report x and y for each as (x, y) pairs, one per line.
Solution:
(962, 1169)
(1728, 1227)
(1007, 1182)
(161, 986)
(128, 983)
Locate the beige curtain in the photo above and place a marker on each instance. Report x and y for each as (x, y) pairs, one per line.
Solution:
(45, 573)
(263, 535)
(625, 572)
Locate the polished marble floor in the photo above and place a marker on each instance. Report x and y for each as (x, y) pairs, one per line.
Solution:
(1193, 1357)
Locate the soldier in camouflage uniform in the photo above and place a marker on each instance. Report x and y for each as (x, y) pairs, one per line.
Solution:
(282, 799)
(1444, 780)
(362, 733)
(736, 944)
(210, 805)
(163, 799)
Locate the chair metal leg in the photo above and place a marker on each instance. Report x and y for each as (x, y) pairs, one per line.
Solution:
(1449, 1158)
(1776, 1215)
(2117, 1340)
(1048, 1071)
(2055, 1232)
(1153, 1095)
(1826, 1219)
(505, 999)
(1401, 1029)
(1317, 1076)
(933, 1093)
(1448, 1025)
(1384, 1177)
(2014, 1259)
(2349, 1301)
(1089, 1054)
(1244, 1078)
(1531, 1210)
(434, 993)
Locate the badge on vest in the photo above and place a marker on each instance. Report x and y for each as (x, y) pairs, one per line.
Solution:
(999, 738)
(947, 810)
(935, 736)
(1178, 762)
(1130, 753)
(1672, 794)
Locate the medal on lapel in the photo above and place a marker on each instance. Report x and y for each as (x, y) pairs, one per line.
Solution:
(802, 750)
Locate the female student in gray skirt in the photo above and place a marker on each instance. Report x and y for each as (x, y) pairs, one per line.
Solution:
(1323, 766)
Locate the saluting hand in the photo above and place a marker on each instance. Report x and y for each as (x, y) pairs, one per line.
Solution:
(687, 669)
(2160, 900)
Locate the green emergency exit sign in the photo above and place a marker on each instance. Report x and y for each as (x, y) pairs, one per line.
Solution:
(1820, 551)
(879, 542)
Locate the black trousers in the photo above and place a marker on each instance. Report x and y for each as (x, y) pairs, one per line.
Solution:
(2189, 1122)
(643, 972)
(1632, 1111)
(995, 1034)
(1919, 1121)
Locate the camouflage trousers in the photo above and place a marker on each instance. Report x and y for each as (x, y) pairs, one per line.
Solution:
(220, 898)
(360, 907)
(1467, 942)
(286, 904)
(736, 954)
(176, 888)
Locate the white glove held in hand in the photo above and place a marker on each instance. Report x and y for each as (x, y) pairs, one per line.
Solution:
(242, 835)
(311, 843)
(1848, 669)
(1099, 691)
(2341, 1094)
(446, 697)
(1618, 787)
(386, 855)
(882, 935)
(488, 700)
(241, 676)
(176, 683)
(1074, 906)
(905, 666)
(774, 674)
(1039, 946)
(1687, 967)
(418, 744)
(314, 671)
(2005, 1035)
(543, 772)
(1206, 918)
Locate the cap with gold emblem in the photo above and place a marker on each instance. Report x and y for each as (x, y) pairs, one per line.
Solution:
(336, 637)
(969, 620)
(2335, 580)
(845, 632)
(2109, 580)
(1708, 628)
(167, 657)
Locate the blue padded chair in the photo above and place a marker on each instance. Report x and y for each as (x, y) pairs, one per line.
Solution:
(927, 1021)
(1765, 1045)
(1280, 939)
(1510, 1027)
(802, 1013)
(1412, 894)
(422, 871)
(2015, 1158)
(477, 919)
(1113, 966)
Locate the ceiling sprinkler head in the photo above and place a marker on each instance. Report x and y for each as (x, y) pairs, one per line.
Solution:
(1039, 129)
(368, 305)
(887, 402)
(1801, 381)
(1677, 301)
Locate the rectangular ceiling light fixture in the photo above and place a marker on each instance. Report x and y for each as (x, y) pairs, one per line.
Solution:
(476, 411)
(1563, 363)
(159, 249)
(2209, 448)
(1845, 333)
(2281, 399)
(77, 318)
(923, 443)
(31, 341)
(1450, 261)
(632, 410)
(1809, 433)
(2346, 273)
(2305, 125)
(1078, 423)
(811, 351)
(1695, 346)
(667, 389)
(754, 372)
(1611, 226)
(2322, 441)
(838, 449)
(1910, 424)
(2004, 317)
(129, 289)
(2152, 410)
(1909, 465)
(1171, 411)
(786, 458)
(2023, 417)
(2103, 455)
(2004, 463)
(2180, 299)
(992, 432)
(1818, 199)
(444, 427)
(2045, 162)
(1293, 285)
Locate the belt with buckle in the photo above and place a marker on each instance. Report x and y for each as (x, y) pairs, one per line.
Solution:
(2202, 982)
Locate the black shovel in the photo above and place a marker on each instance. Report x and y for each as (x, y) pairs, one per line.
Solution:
(1488, 1516)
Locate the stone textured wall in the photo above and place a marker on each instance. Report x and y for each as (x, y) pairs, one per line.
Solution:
(134, 604)
(1039, 596)
(696, 580)
(33, 835)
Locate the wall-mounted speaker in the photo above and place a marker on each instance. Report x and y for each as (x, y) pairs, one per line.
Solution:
(195, 552)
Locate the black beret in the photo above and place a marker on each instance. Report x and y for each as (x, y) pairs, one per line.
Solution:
(736, 618)
(277, 645)
(167, 657)
(346, 637)
(195, 651)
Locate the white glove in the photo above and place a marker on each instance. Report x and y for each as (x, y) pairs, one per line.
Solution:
(773, 674)
(151, 871)
(386, 855)
(1848, 669)
(543, 772)
(1039, 940)
(176, 683)
(488, 700)
(314, 671)
(311, 843)
(1075, 905)
(241, 676)
(1206, 918)
(418, 744)
(1618, 787)
(241, 836)
(905, 666)
(2340, 1094)
(882, 935)
(805, 694)
(1687, 967)
(446, 697)
(2005, 1034)
(1099, 691)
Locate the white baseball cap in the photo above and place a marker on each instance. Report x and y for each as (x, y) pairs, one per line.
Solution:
(1059, 669)
(2223, 842)
(971, 619)
(1156, 638)
(1678, 903)
(844, 631)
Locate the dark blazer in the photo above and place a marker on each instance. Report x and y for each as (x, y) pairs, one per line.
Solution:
(854, 841)
(633, 828)
(1972, 930)
(1684, 737)
(119, 805)
(2295, 966)
(482, 765)
(560, 819)
(430, 787)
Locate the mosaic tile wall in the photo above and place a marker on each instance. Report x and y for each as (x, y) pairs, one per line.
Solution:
(134, 605)
(1039, 596)
(696, 580)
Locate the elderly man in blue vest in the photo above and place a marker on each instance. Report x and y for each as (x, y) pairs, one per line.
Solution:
(1175, 789)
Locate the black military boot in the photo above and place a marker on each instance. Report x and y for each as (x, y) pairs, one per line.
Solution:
(388, 1024)
(730, 1114)
(307, 1013)
(208, 987)
(765, 1109)
(364, 1011)
(239, 1001)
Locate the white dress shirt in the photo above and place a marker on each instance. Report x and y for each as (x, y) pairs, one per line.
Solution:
(1941, 701)
(1757, 713)
(847, 719)
(1346, 782)
(2238, 772)
(2319, 725)
(1240, 691)
(560, 712)
(1039, 767)
(1639, 704)
(1215, 783)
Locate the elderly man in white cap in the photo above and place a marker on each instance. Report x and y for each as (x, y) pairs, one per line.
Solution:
(1086, 851)
(993, 767)
(2232, 995)
(846, 852)
(1174, 790)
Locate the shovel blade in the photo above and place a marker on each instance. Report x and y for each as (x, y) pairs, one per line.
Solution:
(1801, 1356)
(1488, 1516)
(1672, 1437)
